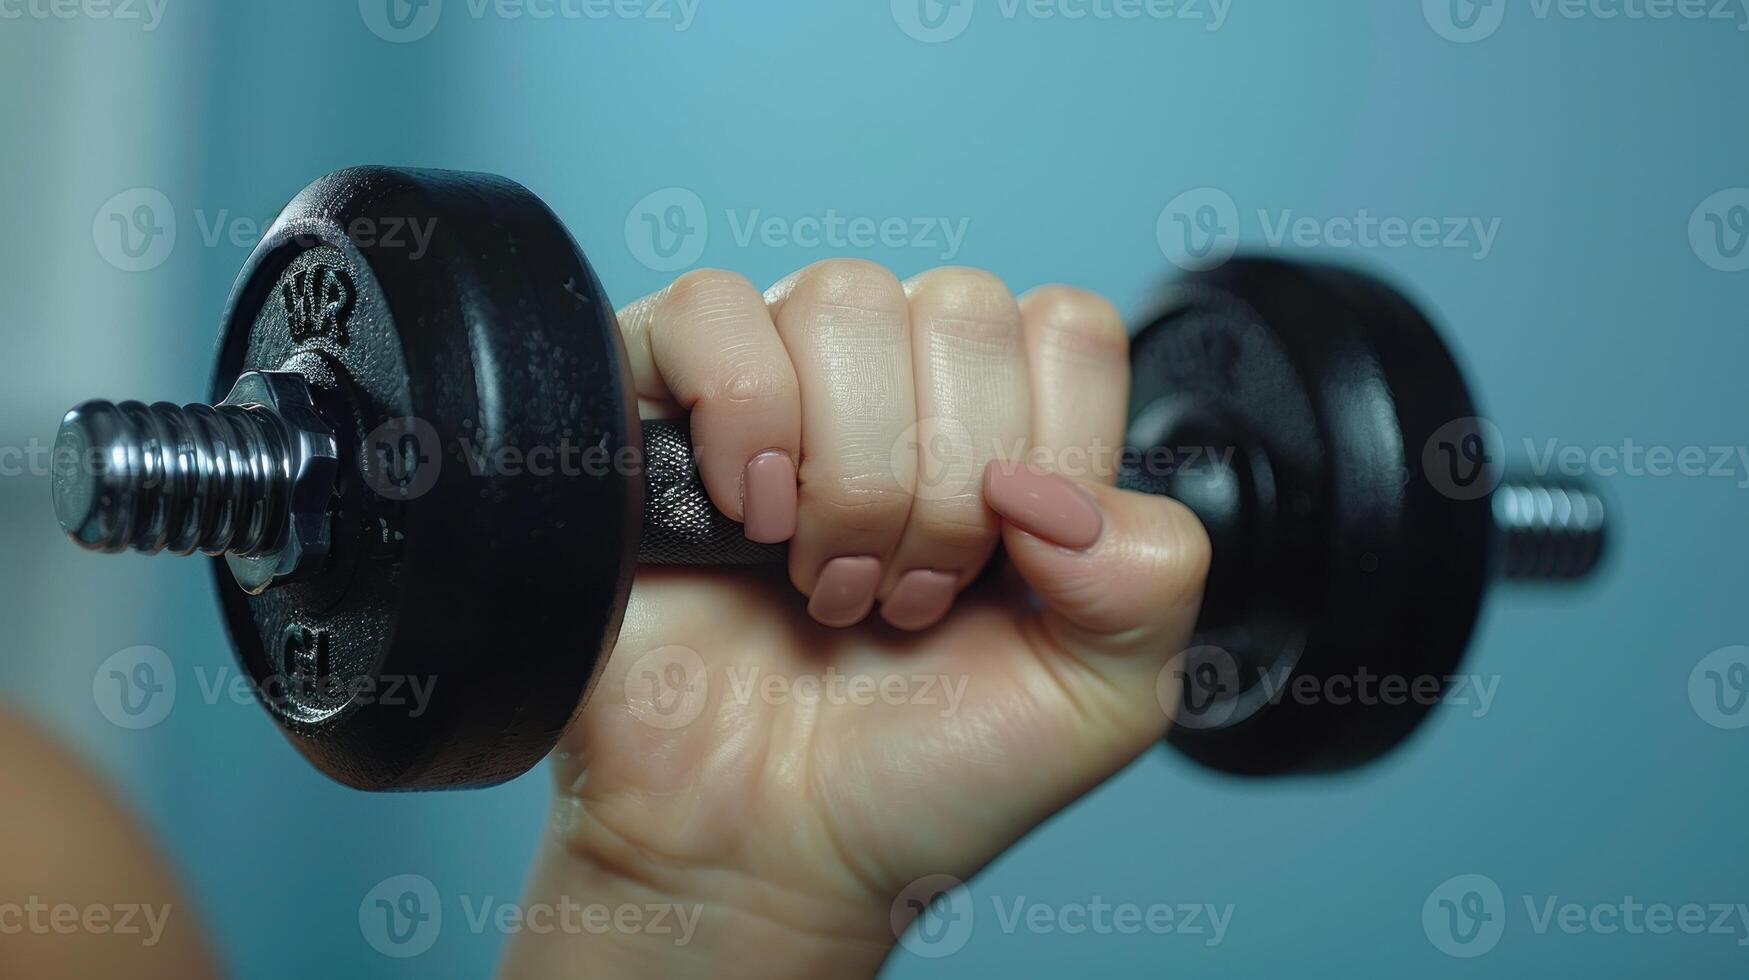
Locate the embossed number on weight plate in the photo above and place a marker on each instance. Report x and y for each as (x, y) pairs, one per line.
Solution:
(318, 299)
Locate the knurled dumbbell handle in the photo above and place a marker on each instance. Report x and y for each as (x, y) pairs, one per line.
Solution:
(683, 527)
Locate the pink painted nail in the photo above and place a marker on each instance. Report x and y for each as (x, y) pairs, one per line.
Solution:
(1044, 504)
(920, 598)
(846, 591)
(768, 497)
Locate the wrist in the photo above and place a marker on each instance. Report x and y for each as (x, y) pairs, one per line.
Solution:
(610, 918)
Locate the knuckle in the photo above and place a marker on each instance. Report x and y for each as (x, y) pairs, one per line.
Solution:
(958, 528)
(860, 509)
(754, 386)
(1076, 319)
(968, 303)
(751, 383)
(1181, 553)
(706, 294)
(854, 285)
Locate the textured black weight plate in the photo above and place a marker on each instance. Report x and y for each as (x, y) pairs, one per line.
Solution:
(1338, 564)
(469, 362)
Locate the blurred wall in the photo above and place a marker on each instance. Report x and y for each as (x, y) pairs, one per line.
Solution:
(1576, 150)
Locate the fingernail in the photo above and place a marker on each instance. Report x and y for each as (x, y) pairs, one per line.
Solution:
(1045, 504)
(920, 599)
(768, 498)
(846, 591)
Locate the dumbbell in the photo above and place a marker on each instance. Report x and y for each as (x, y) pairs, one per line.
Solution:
(370, 543)
(1355, 507)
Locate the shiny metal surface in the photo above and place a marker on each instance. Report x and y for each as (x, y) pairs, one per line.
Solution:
(1548, 531)
(248, 478)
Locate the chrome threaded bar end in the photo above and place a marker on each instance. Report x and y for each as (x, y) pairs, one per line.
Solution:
(250, 478)
(151, 478)
(1548, 531)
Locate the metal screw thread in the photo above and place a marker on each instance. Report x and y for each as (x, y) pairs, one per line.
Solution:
(1548, 531)
(151, 478)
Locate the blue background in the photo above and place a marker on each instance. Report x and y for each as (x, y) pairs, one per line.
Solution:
(1059, 142)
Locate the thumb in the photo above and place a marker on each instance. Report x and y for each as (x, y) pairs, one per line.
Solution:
(1120, 574)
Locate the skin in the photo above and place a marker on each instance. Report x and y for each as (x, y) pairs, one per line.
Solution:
(790, 825)
(69, 844)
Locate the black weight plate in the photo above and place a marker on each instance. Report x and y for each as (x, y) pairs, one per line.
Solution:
(1337, 564)
(457, 339)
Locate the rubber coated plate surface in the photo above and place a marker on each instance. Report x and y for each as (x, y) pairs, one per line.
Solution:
(455, 336)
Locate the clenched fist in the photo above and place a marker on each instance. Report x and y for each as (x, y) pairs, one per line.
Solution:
(782, 755)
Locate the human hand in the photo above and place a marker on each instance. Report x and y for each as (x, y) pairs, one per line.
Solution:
(778, 776)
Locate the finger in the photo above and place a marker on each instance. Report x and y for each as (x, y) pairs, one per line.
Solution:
(1077, 353)
(707, 345)
(846, 325)
(1120, 575)
(969, 363)
(634, 330)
